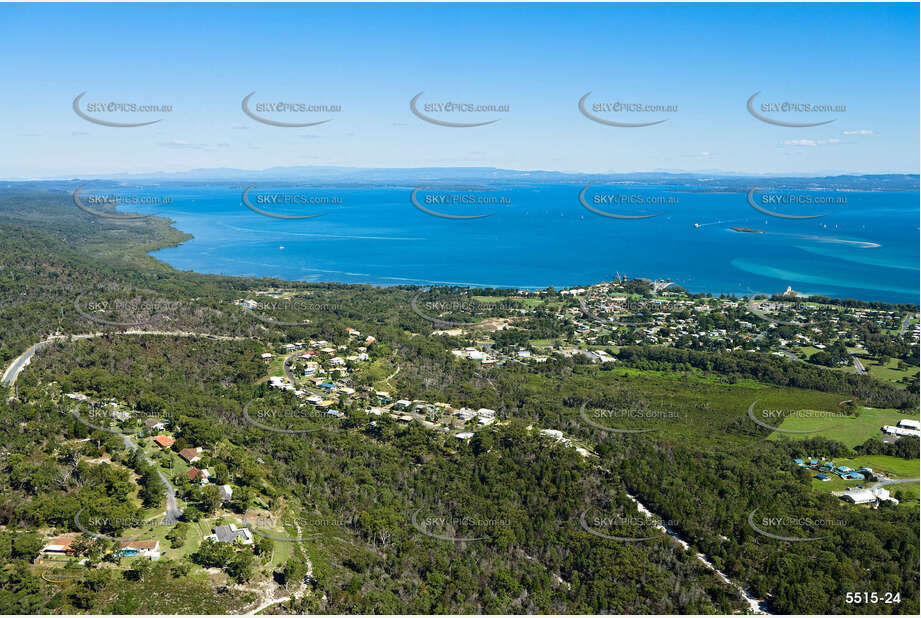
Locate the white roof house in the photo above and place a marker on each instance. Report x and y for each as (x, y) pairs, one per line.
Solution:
(465, 414)
(901, 431)
(908, 423)
(867, 496)
(226, 492)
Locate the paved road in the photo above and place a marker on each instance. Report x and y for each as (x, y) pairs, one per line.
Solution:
(19, 363)
(905, 323)
(893, 482)
(790, 355)
(858, 366)
(173, 512)
(287, 369)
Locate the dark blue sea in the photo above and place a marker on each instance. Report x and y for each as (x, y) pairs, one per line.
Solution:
(539, 236)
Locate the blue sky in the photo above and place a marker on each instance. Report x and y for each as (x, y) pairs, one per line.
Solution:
(539, 60)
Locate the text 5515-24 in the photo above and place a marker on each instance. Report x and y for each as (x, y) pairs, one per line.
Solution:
(872, 597)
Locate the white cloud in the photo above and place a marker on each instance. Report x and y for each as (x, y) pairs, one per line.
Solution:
(183, 144)
(858, 132)
(811, 143)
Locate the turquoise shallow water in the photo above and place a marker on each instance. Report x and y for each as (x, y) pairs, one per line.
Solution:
(542, 235)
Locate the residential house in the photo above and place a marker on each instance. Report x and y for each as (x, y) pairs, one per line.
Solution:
(195, 474)
(153, 424)
(191, 455)
(231, 534)
(144, 549)
(225, 492)
(59, 546)
(164, 441)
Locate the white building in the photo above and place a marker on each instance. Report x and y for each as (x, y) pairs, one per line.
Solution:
(226, 492)
(868, 496)
(901, 431)
(231, 534)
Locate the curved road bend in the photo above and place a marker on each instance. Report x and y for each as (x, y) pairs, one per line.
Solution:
(20, 362)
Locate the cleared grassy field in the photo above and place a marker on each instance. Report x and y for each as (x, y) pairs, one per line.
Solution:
(889, 372)
(688, 404)
(891, 466)
(847, 430)
(835, 484)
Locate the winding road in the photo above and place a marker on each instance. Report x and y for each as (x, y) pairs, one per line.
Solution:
(20, 362)
(173, 512)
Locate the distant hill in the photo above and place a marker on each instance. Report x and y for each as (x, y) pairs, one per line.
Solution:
(684, 181)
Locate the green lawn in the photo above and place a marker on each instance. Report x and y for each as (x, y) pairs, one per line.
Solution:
(835, 484)
(892, 466)
(889, 372)
(847, 430)
(277, 366)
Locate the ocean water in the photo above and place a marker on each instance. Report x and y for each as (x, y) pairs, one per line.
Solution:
(538, 236)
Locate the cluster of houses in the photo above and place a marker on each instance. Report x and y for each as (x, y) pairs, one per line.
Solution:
(673, 320)
(871, 496)
(63, 546)
(193, 455)
(443, 413)
(150, 549)
(827, 469)
(327, 377)
(322, 380)
(497, 358)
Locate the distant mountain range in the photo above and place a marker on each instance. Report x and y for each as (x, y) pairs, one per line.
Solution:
(696, 181)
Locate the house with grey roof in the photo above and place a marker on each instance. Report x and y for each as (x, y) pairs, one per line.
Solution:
(229, 533)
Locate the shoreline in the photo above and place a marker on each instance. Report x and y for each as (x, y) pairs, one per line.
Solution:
(183, 237)
(802, 296)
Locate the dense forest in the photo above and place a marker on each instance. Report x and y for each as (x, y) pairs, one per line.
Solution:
(399, 495)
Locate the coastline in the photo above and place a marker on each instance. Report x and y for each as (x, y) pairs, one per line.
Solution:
(401, 281)
(317, 266)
